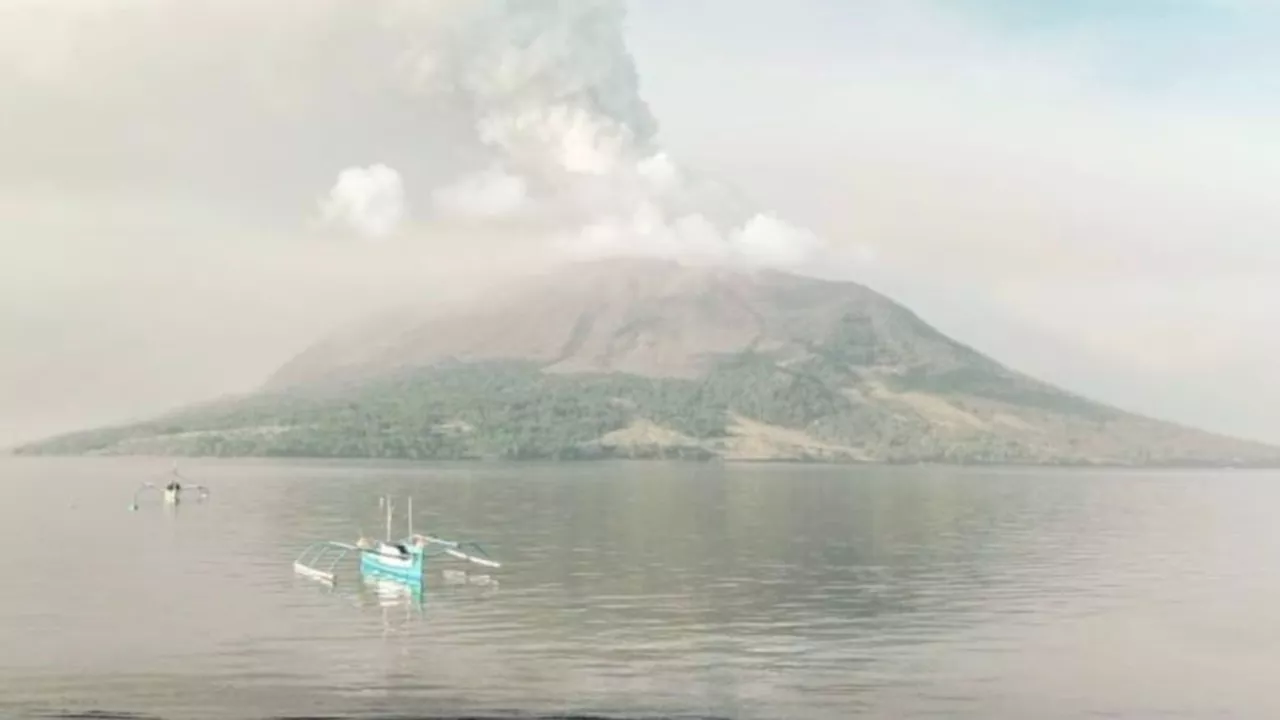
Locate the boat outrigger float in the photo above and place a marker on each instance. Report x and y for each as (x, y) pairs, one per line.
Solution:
(404, 561)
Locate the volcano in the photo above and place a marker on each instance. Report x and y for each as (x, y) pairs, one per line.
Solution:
(650, 358)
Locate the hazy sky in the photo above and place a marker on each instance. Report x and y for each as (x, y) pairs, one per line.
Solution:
(1083, 188)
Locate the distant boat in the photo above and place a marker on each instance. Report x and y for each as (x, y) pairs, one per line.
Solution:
(172, 491)
(404, 561)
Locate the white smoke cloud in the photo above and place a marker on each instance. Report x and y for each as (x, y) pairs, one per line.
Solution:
(547, 90)
(767, 240)
(660, 172)
(763, 241)
(572, 138)
(369, 201)
(490, 193)
(647, 233)
(554, 93)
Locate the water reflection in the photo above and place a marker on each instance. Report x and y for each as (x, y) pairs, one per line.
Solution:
(654, 590)
(766, 567)
(383, 593)
(388, 593)
(398, 603)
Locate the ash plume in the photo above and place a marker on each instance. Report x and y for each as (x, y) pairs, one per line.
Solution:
(496, 109)
(554, 97)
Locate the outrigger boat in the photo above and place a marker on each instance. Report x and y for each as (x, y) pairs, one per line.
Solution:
(403, 561)
(172, 490)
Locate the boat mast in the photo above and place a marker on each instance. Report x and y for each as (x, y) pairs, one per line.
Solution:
(388, 518)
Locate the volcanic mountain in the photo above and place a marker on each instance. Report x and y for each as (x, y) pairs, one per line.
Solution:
(647, 358)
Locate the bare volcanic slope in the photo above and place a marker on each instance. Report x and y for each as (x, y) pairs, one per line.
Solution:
(644, 358)
(649, 318)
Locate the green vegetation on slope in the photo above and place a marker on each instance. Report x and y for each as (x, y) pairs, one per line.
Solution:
(508, 410)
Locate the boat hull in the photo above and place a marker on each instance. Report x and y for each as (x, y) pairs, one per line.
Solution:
(404, 569)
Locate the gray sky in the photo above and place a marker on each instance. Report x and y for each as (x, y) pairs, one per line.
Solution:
(1084, 192)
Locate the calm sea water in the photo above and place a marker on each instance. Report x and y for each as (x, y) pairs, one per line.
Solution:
(646, 590)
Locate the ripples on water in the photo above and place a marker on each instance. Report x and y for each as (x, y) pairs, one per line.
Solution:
(645, 590)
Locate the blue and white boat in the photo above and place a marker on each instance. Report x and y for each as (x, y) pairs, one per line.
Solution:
(404, 561)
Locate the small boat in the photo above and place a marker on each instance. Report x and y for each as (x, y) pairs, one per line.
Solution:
(403, 561)
(172, 491)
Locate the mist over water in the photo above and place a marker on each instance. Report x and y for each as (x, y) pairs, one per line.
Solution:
(647, 590)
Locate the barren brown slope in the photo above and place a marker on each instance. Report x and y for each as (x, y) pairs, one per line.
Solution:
(644, 317)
